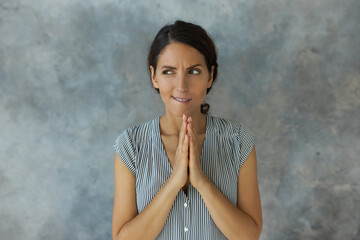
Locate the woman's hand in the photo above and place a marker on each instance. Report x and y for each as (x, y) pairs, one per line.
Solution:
(196, 174)
(181, 163)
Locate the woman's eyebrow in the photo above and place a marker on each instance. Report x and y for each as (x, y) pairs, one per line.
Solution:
(165, 66)
(192, 66)
(195, 65)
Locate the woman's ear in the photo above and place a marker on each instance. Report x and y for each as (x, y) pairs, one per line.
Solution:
(153, 80)
(211, 78)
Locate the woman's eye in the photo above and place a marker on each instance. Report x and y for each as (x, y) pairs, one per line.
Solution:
(194, 71)
(167, 72)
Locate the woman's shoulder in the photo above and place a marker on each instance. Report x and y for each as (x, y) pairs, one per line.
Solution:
(139, 130)
(232, 127)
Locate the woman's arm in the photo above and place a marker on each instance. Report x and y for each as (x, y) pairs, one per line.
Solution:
(127, 223)
(243, 221)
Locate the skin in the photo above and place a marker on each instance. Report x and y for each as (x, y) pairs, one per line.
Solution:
(182, 130)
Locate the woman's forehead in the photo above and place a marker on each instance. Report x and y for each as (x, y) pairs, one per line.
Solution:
(180, 53)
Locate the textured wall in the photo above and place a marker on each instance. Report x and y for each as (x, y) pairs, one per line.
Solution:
(73, 76)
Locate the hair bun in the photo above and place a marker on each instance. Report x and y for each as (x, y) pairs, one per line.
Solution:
(204, 108)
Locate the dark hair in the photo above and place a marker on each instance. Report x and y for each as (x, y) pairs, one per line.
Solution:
(192, 35)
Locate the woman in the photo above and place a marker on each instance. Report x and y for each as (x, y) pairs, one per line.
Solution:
(185, 174)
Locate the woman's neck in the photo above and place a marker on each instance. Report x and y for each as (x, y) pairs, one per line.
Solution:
(171, 124)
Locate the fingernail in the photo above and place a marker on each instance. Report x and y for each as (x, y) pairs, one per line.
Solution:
(184, 117)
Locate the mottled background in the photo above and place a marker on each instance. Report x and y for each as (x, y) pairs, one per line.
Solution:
(73, 76)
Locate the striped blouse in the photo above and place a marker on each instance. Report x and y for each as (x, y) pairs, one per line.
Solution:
(227, 145)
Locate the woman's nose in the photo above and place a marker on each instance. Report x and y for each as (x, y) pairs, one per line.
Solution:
(182, 84)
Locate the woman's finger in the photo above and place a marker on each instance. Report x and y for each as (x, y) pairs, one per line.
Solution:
(185, 147)
(184, 139)
(192, 138)
(183, 130)
(193, 128)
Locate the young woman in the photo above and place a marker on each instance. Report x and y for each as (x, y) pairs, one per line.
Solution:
(185, 174)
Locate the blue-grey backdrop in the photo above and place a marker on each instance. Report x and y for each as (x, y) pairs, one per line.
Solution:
(73, 76)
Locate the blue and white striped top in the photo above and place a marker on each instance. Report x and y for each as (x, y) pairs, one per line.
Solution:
(227, 145)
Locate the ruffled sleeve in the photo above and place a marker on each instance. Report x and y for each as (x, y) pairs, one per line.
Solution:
(247, 141)
(125, 149)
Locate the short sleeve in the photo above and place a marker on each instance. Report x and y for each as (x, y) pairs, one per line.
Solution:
(125, 149)
(247, 141)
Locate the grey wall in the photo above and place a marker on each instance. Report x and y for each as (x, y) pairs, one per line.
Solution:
(73, 76)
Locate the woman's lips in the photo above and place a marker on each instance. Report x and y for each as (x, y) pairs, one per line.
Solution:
(182, 100)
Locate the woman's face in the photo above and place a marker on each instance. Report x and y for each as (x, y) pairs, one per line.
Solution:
(182, 78)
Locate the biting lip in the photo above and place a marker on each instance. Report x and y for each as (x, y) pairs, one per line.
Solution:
(182, 98)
